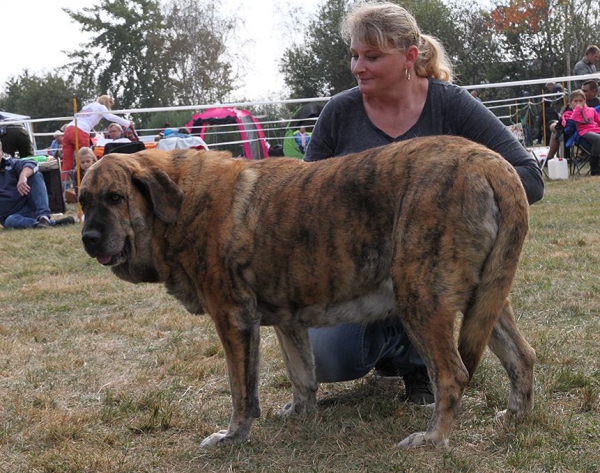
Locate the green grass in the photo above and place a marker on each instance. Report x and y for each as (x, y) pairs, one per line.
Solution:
(99, 375)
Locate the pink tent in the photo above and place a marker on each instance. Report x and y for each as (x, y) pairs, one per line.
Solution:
(251, 132)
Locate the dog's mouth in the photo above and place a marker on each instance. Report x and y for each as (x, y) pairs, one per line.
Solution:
(114, 260)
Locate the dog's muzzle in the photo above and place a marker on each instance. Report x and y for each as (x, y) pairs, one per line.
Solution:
(92, 242)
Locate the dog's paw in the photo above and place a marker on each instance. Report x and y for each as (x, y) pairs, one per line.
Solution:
(218, 438)
(293, 409)
(507, 417)
(419, 439)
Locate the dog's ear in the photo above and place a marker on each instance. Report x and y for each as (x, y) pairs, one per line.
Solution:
(165, 195)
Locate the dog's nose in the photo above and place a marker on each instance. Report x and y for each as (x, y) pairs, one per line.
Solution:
(90, 238)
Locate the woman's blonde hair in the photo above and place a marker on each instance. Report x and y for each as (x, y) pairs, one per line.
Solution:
(106, 100)
(89, 152)
(389, 27)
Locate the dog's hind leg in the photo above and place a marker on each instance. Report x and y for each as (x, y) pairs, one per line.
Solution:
(432, 334)
(300, 365)
(241, 345)
(518, 359)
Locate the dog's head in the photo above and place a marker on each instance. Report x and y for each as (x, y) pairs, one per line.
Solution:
(124, 197)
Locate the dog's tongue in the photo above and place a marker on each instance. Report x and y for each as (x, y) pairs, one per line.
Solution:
(103, 259)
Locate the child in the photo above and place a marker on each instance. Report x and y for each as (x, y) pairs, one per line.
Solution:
(587, 122)
(86, 158)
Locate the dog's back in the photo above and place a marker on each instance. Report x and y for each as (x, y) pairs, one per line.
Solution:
(331, 228)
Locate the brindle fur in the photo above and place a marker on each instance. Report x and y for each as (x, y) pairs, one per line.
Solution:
(419, 230)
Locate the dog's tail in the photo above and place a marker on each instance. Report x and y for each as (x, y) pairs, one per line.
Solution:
(491, 294)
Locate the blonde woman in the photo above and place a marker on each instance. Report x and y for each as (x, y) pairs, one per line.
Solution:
(89, 116)
(404, 91)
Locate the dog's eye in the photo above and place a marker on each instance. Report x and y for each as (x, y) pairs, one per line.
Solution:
(115, 198)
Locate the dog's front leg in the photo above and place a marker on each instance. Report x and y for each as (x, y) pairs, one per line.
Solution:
(241, 345)
(300, 365)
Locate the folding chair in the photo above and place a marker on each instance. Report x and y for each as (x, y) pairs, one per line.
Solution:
(580, 153)
(541, 157)
(124, 147)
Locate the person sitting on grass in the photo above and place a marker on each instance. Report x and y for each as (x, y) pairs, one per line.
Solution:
(23, 195)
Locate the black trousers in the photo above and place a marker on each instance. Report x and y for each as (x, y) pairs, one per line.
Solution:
(594, 140)
(15, 138)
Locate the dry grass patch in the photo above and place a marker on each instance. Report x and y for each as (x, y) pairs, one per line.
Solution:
(98, 375)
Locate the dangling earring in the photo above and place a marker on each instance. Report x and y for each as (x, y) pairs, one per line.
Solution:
(407, 73)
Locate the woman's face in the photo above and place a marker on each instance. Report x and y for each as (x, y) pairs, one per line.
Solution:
(376, 71)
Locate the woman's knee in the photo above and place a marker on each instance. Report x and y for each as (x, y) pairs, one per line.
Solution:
(338, 352)
(350, 351)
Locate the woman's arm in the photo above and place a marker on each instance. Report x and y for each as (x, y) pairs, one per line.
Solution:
(475, 122)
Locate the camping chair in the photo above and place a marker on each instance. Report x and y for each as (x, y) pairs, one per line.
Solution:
(541, 157)
(580, 153)
(124, 147)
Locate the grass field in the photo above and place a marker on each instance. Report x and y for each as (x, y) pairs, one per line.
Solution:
(99, 375)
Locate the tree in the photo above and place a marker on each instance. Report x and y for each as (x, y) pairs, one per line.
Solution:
(472, 46)
(545, 37)
(127, 56)
(39, 97)
(201, 63)
(320, 65)
(435, 19)
(146, 54)
(526, 35)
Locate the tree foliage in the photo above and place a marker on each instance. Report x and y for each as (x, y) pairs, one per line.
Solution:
(39, 97)
(509, 40)
(319, 66)
(548, 35)
(126, 55)
(201, 63)
(147, 54)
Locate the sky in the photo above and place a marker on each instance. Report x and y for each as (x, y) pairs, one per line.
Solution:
(35, 34)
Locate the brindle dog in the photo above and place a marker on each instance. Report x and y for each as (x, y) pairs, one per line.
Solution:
(419, 230)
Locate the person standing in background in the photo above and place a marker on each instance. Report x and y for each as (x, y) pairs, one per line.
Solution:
(89, 116)
(587, 65)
